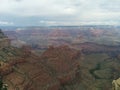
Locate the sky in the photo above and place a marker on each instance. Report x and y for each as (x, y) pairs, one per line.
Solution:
(59, 12)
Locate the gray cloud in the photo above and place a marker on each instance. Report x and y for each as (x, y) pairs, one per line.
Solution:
(60, 11)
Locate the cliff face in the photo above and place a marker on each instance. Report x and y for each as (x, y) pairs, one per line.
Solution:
(55, 68)
(9, 55)
(16, 65)
(4, 41)
(63, 62)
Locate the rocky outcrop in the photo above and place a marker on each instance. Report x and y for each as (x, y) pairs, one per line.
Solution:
(116, 84)
(62, 61)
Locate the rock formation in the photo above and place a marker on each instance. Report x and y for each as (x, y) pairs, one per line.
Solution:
(116, 84)
(21, 69)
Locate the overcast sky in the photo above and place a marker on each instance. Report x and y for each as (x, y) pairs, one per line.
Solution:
(59, 12)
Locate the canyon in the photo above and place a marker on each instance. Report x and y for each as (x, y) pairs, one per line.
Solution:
(60, 58)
